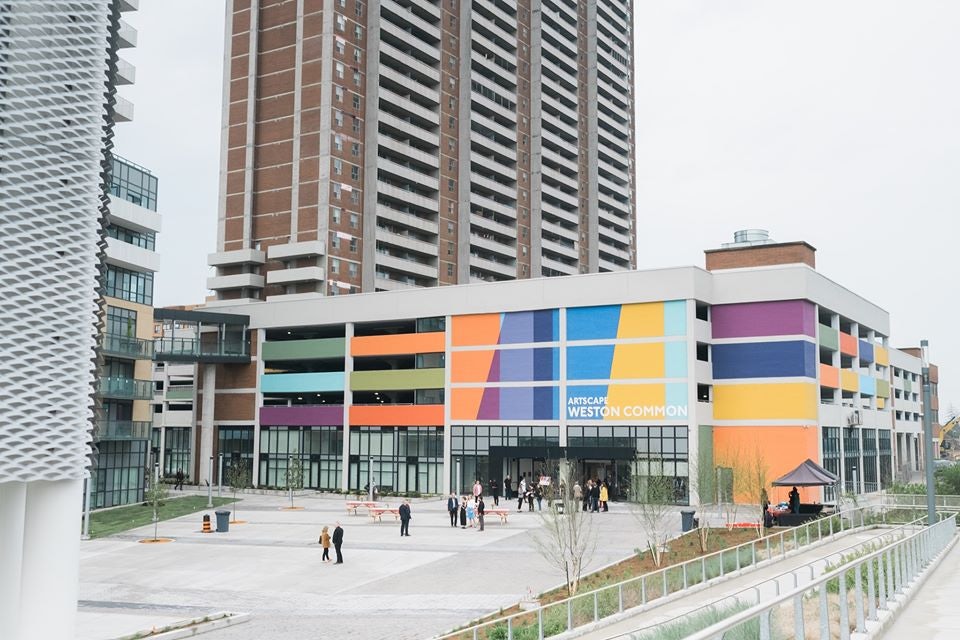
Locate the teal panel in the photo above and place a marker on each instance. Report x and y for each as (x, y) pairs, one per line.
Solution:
(829, 338)
(675, 359)
(868, 385)
(676, 394)
(675, 318)
(301, 382)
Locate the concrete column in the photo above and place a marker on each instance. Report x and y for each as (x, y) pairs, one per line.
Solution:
(347, 403)
(49, 583)
(12, 507)
(206, 422)
(447, 403)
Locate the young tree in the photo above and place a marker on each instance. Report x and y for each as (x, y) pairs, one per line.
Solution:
(294, 474)
(654, 493)
(238, 477)
(567, 539)
(703, 479)
(155, 496)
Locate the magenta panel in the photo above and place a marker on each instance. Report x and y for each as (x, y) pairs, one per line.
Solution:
(302, 416)
(751, 319)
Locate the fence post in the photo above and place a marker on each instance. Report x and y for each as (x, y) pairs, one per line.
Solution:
(753, 553)
(570, 614)
(596, 606)
(666, 588)
(721, 563)
(767, 541)
(798, 617)
(881, 584)
(540, 623)
(765, 625)
(824, 614)
(844, 613)
(643, 590)
(684, 568)
(871, 592)
(858, 592)
(703, 569)
(620, 596)
(509, 628)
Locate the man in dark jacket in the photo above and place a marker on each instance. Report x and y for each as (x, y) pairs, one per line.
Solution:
(405, 518)
(595, 497)
(337, 541)
(452, 506)
(480, 508)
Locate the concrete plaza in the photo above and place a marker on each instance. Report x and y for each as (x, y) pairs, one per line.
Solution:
(270, 567)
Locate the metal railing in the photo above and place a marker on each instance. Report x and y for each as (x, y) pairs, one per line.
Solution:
(180, 392)
(126, 388)
(194, 347)
(754, 594)
(919, 501)
(592, 606)
(845, 599)
(122, 430)
(125, 346)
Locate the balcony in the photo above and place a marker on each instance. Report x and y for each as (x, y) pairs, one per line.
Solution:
(126, 388)
(192, 349)
(130, 348)
(180, 392)
(206, 337)
(122, 430)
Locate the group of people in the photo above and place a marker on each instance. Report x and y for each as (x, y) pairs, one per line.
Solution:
(466, 511)
(594, 495)
(326, 539)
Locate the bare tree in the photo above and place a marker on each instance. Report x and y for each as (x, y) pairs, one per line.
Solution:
(238, 477)
(703, 478)
(567, 539)
(294, 474)
(155, 496)
(655, 500)
(746, 483)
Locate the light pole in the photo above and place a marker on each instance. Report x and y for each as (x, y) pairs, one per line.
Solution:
(87, 490)
(459, 483)
(220, 476)
(927, 430)
(370, 478)
(210, 484)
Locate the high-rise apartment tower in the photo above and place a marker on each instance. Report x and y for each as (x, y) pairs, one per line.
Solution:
(383, 144)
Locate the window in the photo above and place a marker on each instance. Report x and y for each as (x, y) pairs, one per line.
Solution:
(429, 325)
(121, 322)
(353, 267)
(341, 46)
(355, 172)
(337, 166)
(339, 69)
(449, 248)
(354, 221)
(132, 286)
(334, 265)
(356, 102)
(336, 190)
(449, 227)
(143, 239)
(338, 92)
(357, 56)
(355, 197)
(133, 184)
(354, 245)
(450, 269)
(338, 117)
(334, 240)
(357, 123)
(341, 23)
(451, 185)
(338, 142)
(358, 10)
(335, 215)
(358, 32)
(451, 122)
(355, 149)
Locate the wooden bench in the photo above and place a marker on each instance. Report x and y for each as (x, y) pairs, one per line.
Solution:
(501, 513)
(377, 513)
(353, 505)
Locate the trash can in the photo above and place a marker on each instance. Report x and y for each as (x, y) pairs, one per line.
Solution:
(686, 519)
(223, 521)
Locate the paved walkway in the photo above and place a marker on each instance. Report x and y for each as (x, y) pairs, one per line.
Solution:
(770, 580)
(933, 612)
(388, 586)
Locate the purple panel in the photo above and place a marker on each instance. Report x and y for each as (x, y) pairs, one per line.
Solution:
(516, 327)
(302, 416)
(778, 318)
(494, 374)
(516, 403)
(489, 405)
(516, 365)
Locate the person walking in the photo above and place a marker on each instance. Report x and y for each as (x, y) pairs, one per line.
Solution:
(405, 518)
(530, 495)
(577, 492)
(507, 485)
(538, 494)
(604, 495)
(338, 542)
(477, 489)
(325, 543)
(521, 490)
(480, 508)
(452, 507)
(178, 484)
(494, 492)
(586, 495)
(463, 512)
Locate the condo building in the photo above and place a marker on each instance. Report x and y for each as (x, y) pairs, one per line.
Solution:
(625, 375)
(390, 144)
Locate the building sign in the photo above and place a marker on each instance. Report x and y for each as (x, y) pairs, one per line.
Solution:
(627, 402)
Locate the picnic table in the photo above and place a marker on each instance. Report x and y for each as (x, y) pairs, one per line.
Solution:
(377, 513)
(353, 505)
(501, 513)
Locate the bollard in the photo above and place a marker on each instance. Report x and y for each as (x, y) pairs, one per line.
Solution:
(206, 524)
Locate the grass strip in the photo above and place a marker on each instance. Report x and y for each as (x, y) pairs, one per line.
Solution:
(111, 521)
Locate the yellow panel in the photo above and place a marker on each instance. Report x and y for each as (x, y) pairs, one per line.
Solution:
(636, 361)
(627, 401)
(881, 403)
(849, 380)
(881, 356)
(641, 320)
(785, 401)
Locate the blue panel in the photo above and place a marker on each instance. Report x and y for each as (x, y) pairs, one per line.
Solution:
(581, 402)
(516, 365)
(676, 394)
(301, 382)
(516, 403)
(593, 323)
(545, 364)
(543, 325)
(516, 327)
(675, 359)
(793, 358)
(545, 403)
(866, 351)
(589, 363)
(868, 385)
(675, 318)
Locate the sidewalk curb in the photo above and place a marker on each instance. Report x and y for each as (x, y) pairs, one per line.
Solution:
(192, 627)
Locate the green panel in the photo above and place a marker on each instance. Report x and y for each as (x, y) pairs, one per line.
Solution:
(706, 447)
(883, 389)
(906, 386)
(829, 338)
(396, 379)
(180, 393)
(304, 349)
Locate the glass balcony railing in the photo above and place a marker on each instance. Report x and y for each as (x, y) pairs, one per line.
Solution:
(126, 388)
(122, 430)
(191, 347)
(126, 347)
(181, 392)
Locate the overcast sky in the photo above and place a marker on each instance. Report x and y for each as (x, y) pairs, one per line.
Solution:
(837, 123)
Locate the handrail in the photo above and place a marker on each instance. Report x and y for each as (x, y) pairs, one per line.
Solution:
(943, 501)
(735, 597)
(660, 577)
(897, 565)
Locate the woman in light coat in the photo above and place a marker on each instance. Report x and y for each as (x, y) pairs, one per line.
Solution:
(325, 543)
(604, 496)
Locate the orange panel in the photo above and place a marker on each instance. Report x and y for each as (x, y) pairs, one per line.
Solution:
(829, 376)
(848, 344)
(414, 415)
(466, 403)
(476, 330)
(470, 366)
(779, 449)
(402, 343)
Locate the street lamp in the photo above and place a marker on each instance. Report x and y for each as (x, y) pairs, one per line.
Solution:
(220, 476)
(210, 484)
(927, 429)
